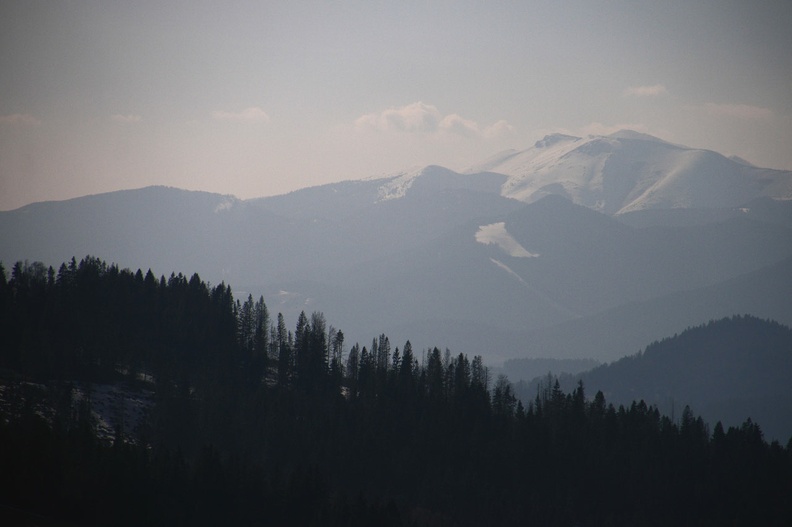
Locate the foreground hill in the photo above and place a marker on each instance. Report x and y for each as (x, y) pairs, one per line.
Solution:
(726, 371)
(239, 421)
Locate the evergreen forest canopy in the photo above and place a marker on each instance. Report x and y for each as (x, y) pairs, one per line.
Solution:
(248, 422)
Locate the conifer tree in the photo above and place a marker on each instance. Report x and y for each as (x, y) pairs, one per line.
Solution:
(284, 353)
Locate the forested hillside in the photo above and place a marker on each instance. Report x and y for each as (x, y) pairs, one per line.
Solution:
(726, 370)
(248, 422)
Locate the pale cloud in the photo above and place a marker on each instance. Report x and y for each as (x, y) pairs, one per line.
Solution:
(415, 117)
(420, 117)
(740, 111)
(21, 119)
(130, 118)
(253, 114)
(498, 129)
(459, 125)
(646, 91)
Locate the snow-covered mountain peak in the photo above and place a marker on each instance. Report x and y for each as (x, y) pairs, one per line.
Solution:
(516, 163)
(552, 139)
(632, 134)
(433, 179)
(627, 171)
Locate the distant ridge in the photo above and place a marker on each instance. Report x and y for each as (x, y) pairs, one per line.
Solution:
(629, 171)
(456, 259)
(726, 370)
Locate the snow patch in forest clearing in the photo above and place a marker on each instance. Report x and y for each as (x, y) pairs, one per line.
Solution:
(116, 407)
(496, 234)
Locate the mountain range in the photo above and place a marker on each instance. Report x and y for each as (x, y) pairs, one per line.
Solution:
(628, 171)
(574, 248)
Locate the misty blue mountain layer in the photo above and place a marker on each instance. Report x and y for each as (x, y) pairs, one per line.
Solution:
(574, 248)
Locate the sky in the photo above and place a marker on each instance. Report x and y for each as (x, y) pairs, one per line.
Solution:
(262, 98)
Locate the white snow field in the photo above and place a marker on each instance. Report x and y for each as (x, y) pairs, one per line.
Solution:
(628, 171)
(496, 234)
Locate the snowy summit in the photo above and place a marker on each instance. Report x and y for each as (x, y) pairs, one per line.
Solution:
(628, 171)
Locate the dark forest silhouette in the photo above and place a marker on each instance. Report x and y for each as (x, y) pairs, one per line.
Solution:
(251, 423)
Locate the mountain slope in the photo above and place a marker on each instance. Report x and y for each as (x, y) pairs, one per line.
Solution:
(589, 262)
(468, 290)
(727, 370)
(626, 172)
(158, 227)
(444, 258)
(620, 331)
(448, 256)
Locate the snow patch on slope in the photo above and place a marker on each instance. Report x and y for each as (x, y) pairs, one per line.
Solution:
(397, 185)
(525, 284)
(496, 234)
(227, 204)
(513, 163)
(509, 271)
(116, 407)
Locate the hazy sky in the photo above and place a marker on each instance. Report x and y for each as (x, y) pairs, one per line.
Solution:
(260, 98)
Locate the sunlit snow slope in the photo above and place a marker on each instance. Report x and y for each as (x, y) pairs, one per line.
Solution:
(628, 171)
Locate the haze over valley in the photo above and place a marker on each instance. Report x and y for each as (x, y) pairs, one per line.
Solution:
(578, 248)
